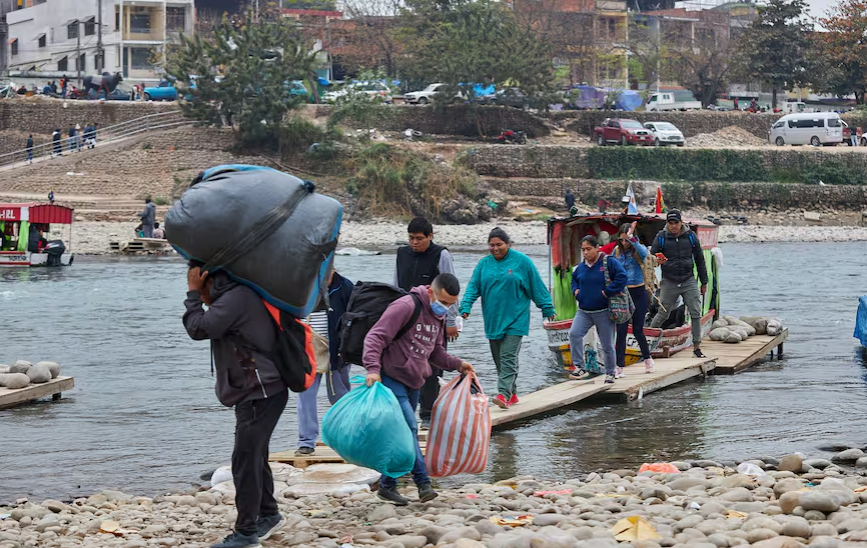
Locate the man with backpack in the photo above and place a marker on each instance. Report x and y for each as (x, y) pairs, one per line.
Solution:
(401, 359)
(242, 336)
(678, 250)
(417, 265)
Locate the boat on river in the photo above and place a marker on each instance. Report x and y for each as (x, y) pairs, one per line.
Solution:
(564, 253)
(22, 240)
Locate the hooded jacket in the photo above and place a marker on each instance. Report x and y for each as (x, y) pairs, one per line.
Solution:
(339, 291)
(148, 214)
(408, 360)
(242, 335)
(682, 251)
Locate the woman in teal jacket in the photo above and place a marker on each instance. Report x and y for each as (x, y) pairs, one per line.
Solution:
(506, 281)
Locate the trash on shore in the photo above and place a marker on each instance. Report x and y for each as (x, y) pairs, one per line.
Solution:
(525, 519)
(659, 467)
(634, 528)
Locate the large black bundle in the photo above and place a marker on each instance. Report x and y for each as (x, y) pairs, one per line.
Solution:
(267, 229)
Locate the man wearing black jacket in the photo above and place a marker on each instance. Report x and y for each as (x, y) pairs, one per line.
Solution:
(678, 250)
(418, 264)
(337, 385)
(242, 335)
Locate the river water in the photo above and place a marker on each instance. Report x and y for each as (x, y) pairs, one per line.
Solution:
(143, 417)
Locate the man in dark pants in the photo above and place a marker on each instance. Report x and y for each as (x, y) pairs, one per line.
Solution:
(418, 264)
(678, 250)
(242, 335)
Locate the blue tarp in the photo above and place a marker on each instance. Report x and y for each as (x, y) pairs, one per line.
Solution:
(628, 100)
(861, 321)
(585, 97)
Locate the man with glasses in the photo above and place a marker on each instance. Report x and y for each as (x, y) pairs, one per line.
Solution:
(679, 253)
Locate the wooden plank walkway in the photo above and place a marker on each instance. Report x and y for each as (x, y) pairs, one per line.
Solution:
(323, 454)
(548, 399)
(53, 388)
(669, 371)
(734, 358)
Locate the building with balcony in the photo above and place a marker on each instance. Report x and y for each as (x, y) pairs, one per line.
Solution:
(57, 37)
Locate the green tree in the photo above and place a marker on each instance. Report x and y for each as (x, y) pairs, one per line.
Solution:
(774, 48)
(463, 43)
(843, 50)
(241, 76)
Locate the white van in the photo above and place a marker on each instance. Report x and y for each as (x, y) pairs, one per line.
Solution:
(814, 128)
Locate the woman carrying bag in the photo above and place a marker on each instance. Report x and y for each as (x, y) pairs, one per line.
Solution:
(630, 253)
(598, 285)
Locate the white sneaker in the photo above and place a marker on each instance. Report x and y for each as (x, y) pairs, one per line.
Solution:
(618, 373)
(649, 366)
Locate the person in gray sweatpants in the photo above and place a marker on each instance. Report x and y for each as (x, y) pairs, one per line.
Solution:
(337, 377)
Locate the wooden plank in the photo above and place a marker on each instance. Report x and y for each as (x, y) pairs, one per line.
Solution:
(10, 398)
(548, 399)
(669, 371)
(733, 358)
(323, 454)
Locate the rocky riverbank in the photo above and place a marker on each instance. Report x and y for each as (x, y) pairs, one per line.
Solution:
(767, 503)
(92, 238)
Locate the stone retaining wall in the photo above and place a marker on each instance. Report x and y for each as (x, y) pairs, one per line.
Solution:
(715, 196)
(43, 115)
(732, 165)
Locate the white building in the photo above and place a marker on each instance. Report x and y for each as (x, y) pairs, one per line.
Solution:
(56, 37)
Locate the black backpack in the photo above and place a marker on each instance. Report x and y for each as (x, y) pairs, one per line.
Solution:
(366, 305)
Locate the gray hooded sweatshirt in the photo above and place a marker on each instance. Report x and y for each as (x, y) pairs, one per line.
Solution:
(149, 214)
(242, 335)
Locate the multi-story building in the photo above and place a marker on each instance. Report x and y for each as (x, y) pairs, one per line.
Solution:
(55, 37)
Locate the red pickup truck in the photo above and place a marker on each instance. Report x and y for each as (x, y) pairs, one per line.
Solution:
(623, 131)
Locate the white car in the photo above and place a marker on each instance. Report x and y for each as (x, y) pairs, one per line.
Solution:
(664, 133)
(426, 95)
(374, 90)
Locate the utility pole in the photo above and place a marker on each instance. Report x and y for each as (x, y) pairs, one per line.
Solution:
(78, 51)
(100, 51)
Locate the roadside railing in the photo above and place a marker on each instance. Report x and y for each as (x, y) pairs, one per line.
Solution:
(103, 135)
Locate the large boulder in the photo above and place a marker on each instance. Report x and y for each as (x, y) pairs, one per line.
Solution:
(39, 373)
(20, 366)
(14, 380)
(54, 367)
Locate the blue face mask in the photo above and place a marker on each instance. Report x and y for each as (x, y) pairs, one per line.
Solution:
(438, 308)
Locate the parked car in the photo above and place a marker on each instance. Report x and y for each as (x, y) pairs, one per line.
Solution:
(671, 100)
(847, 135)
(512, 97)
(426, 95)
(623, 131)
(165, 91)
(816, 128)
(296, 88)
(665, 133)
(374, 90)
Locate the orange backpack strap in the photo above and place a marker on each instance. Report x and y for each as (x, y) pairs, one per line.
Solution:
(275, 313)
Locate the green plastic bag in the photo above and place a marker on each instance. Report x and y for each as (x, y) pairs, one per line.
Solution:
(366, 427)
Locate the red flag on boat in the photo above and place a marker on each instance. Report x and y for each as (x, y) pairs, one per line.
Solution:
(660, 203)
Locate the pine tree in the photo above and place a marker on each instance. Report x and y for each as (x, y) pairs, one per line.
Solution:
(241, 76)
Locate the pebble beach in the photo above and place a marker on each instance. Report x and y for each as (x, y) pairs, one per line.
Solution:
(92, 238)
(767, 502)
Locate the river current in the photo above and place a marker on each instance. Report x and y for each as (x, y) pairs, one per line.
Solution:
(143, 417)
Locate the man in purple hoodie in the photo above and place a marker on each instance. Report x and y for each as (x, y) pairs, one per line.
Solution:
(403, 364)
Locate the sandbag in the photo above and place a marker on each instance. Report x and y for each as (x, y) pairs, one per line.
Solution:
(367, 427)
(733, 337)
(719, 324)
(775, 327)
(460, 429)
(744, 332)
(288, 266)
(759, 324)
(719, 334)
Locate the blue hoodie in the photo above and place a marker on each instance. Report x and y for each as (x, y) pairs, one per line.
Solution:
(634, 271)
(589, 281)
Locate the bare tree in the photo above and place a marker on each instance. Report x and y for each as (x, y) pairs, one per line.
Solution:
(370, 37)
(704, 63)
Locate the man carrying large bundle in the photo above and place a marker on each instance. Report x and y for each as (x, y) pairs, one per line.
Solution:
(402, 364)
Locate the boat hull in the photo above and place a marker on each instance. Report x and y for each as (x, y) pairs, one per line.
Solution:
(663, 343)
(28, 259)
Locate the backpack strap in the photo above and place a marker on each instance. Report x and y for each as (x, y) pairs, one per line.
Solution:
(661, 241)
(606, 266)
(414, 318)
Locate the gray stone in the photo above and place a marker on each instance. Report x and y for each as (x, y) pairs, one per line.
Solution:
(381, 513)
(738, 494)
(824, 542)
(757, 535)
(861, 463)
(681, 465)
(814, 515)
(688, 522)
(795, 526)
(468, 543)
(298, 537)
(762, 523)
(549, 519)
(20, 366)
(682, 484)
(55, 506)
(738, 480)
(849, 455)
(705, 464)
(14, 381)
(54, 367)
(819, 464)
(3, 368)
(824, 530)
(410, 541)
(462, 532)
(39, 374)
(778, 542)
(790, 463)
(49, 520)
(851, 524)
(815, 499)
(484, 526)
(787, 485)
